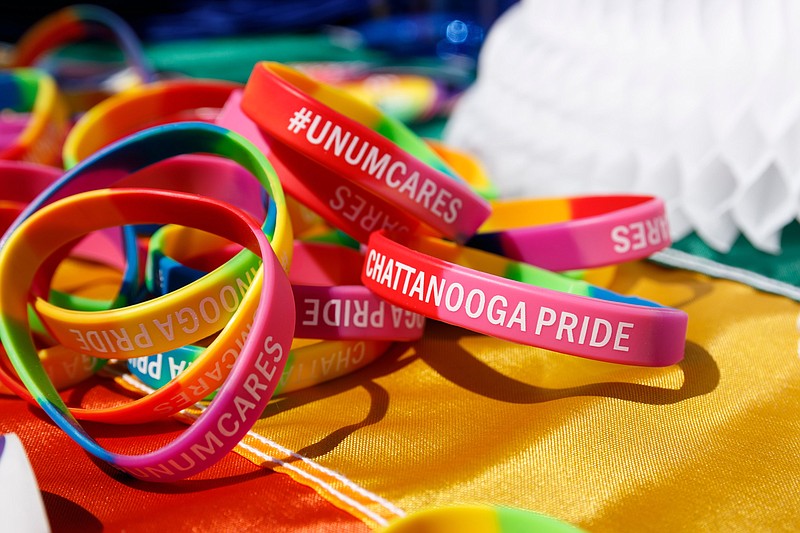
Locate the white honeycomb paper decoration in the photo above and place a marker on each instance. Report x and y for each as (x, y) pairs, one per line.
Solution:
(697, 101)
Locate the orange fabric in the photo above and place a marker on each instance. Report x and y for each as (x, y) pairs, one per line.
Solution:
(83, 495)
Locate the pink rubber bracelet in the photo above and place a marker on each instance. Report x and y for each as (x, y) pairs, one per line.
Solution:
(519, 312)
(291, 108)
(341, 202)
(575, 233)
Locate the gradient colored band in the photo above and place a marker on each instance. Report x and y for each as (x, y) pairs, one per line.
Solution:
(161, 324)
(356, 141)
(575, 233)
(207, 374)
(261, 354)
(591, 322)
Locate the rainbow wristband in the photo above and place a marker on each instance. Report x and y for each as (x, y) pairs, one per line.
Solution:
(592, 322)
(207, 175)
(356, 141)
(141, 107)
(574, 233)
(211, 367)
(261, 355)
(25, 90)
(184, 316)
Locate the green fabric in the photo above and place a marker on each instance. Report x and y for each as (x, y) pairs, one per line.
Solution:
(784, 267)
(232, 58)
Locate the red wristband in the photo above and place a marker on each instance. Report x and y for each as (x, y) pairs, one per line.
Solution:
(342, 203)
(305, 116)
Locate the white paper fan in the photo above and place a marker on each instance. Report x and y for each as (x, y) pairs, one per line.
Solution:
(697, 101)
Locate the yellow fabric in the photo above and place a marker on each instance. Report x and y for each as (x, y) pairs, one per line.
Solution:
(707, 445)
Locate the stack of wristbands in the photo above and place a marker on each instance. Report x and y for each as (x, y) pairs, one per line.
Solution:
(254, 233)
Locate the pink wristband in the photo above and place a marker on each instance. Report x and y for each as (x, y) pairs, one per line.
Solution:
(341, 202)
(291, 108)
(585, 326)
(575, 233)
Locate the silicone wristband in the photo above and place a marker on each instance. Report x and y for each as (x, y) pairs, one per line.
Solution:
(25, 90)
(573, 233)
(614, 328)
(78, 23)
(309, 363)
(345, 205)
(261, 356)
(330, 301)
(211, 368)
(20, 183)
(141, 107)
(356, 141)
(161, 324)
(212, 176)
